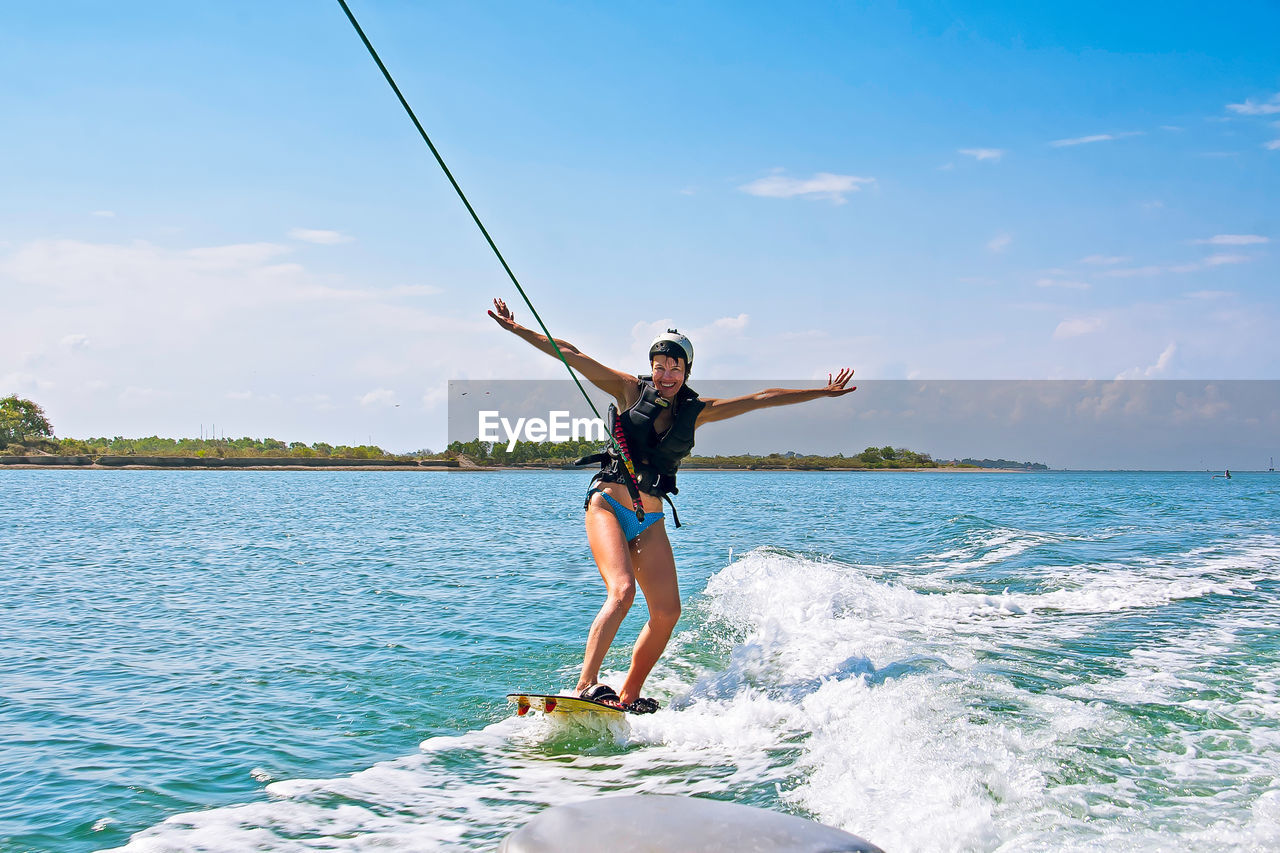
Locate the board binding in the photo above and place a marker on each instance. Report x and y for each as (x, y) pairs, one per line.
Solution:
(547, 704)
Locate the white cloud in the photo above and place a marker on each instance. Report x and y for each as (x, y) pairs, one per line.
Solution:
(236, 256)
(1081, 140)
(104, 214)
(319, 236)
(1154, 370)
(1069, 285)
(1074, 327)
(74, 342)
(1220, 259)
(321, 292)
(416, 290)
(320, 401)
(173, 330)
(824, 185)
(1103, 260)
(379, 397)
(1233, 240)
(1134, 272)
(1207, 406)
(723, 336)
(25, 383)
(137, 395)
(137, 269)
(999, 243)
(282, 270)
(435, 396)
(734, 323)
(1097, 137)
(993, 154)
(1216, 260)
(1250, 107)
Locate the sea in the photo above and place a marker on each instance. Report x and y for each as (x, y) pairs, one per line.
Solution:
(318, 660)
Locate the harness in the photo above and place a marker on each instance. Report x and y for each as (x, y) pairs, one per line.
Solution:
(654, 459)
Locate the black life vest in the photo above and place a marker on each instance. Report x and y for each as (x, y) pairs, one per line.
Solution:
(656, 458)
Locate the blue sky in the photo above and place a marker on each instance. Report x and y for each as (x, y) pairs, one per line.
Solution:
(217, 213)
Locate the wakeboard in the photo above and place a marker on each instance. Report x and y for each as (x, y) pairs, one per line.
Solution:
(561, 705)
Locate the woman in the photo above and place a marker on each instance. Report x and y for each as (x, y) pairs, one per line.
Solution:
(624, 510)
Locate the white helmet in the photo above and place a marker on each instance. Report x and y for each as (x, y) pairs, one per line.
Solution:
(672, 343)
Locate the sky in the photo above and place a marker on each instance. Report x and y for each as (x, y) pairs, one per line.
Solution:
(215, 218)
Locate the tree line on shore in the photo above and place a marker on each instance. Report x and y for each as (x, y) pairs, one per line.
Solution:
(565, 453)
(220, 448)
(25, 429)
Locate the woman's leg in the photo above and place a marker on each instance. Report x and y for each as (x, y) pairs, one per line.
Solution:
(656, 573)
(613, 559)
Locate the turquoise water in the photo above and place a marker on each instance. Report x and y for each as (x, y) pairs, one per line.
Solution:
(317, 660)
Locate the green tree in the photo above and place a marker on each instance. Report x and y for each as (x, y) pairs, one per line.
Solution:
(22, 421)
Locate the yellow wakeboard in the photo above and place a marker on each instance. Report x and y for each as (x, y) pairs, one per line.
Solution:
(560, 705)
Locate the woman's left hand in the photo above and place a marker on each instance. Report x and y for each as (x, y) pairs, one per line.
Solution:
(835, 387)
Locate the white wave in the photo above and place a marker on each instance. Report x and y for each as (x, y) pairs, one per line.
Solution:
(911, 739)
(980, 548)
(895, 709)
(467, 792)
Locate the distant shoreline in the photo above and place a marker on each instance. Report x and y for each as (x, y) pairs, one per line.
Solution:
(27, 466)
(245, 463)
(443, 465)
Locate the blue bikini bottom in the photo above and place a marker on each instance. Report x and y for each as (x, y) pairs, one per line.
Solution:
(631, 526)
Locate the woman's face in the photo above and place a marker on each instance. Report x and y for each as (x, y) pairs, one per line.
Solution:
(668, 375)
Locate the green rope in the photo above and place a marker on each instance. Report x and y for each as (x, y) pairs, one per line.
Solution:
(470, 209)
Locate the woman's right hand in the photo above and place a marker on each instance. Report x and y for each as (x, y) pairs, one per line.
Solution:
(503, 317)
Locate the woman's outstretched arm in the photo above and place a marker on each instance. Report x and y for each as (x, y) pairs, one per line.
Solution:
(719, 410)
(621, 386)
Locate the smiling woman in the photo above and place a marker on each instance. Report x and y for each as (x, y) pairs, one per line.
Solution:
(652, 423)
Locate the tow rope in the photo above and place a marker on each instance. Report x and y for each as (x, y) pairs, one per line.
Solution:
(633, 487)
(629, 470)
